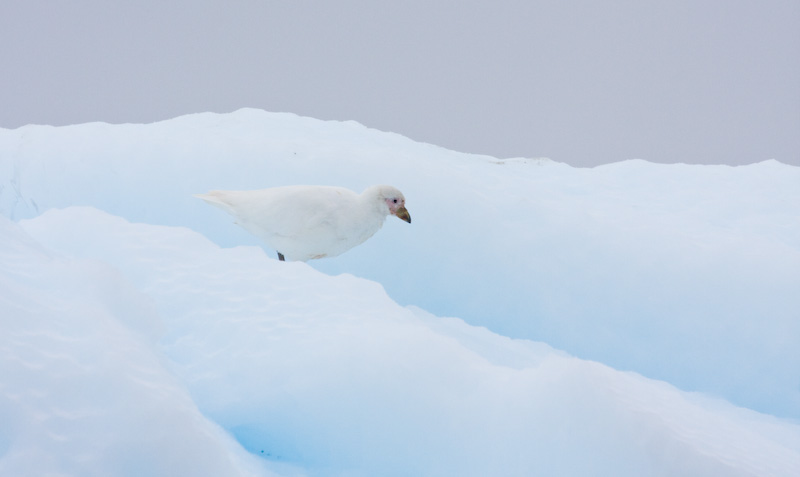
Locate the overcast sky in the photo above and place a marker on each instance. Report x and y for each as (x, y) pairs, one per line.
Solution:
(581, 82)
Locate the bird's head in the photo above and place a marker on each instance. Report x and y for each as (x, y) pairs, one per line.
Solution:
(395, 201)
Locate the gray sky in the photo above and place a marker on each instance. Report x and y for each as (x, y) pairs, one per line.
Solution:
(582, 82)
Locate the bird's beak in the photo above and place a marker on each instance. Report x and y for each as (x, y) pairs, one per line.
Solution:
(402, 213)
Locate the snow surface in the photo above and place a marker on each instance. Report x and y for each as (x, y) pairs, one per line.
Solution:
(132, 344)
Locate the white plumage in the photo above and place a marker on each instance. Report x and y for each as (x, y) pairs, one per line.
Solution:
(308, 222)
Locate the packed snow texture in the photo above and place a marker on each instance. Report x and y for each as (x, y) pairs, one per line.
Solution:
(132, 344)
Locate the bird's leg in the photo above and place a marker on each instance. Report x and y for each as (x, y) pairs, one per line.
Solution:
(280, 257)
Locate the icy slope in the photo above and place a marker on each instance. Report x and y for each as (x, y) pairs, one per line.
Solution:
(84, 389)
(323, 372)
(683, 273)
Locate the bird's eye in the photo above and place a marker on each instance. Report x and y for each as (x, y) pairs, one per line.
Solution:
(394, 200)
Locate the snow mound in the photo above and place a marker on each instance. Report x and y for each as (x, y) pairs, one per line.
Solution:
(322, 373)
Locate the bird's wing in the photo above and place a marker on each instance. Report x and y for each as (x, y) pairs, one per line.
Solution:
(293, 211)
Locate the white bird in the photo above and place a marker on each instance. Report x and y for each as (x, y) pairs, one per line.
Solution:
(308, 222)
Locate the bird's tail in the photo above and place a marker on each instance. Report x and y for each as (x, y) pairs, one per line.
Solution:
(215, 198)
